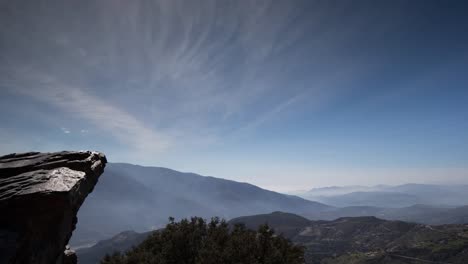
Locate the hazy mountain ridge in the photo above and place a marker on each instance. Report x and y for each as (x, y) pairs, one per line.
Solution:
(132, 197)
(120, 242)
(390, 196)
(378, 199)
(344, 240)
(417, 213)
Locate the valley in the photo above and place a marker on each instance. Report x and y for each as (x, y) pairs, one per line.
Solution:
(355, 240)
(140, 199)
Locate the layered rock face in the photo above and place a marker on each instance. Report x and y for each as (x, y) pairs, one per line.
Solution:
(40, 194)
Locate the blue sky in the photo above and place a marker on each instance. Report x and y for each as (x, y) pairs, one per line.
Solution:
(283, 94)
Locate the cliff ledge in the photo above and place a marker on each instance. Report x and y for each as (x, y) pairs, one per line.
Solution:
(40, 195)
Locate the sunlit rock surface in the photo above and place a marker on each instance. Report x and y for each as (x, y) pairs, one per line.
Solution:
(40, 194)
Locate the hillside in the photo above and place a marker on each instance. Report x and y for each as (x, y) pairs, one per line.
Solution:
(131, 197)
(153, 194)
(418, 213)
(355, 240)
(372, 240)
(286, 224)
(120, 242)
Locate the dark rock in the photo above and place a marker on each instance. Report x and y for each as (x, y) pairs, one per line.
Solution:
(40, 194)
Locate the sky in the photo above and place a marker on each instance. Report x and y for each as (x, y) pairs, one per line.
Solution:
(285, 95)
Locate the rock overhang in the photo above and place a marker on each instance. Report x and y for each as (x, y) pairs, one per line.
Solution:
(40, 194)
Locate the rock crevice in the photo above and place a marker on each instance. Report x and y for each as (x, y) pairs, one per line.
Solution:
(40, 195)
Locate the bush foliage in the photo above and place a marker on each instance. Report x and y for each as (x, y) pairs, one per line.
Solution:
(197, 241)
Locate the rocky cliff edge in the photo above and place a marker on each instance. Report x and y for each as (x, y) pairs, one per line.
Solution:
(40, 195)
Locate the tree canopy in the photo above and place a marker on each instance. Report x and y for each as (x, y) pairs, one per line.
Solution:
(196, 241)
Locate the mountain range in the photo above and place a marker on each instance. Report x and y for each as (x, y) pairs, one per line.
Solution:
(368, 239)
(121, 242)
(425, 214)
(389, 196)
(132, 197)
(356, 240)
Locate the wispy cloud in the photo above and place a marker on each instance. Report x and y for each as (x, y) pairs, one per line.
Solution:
(171, 77)
(192, 69)
(156, 74)
(65, 130)
(74, 101)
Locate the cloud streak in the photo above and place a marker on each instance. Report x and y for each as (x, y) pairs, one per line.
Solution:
(74, 101)
(193, 81)
(65, 130)
(191, 70)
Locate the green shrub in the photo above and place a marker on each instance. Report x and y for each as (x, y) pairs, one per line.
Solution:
(196, 241)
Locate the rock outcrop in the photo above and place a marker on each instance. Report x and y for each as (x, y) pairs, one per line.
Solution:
(40, 194)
